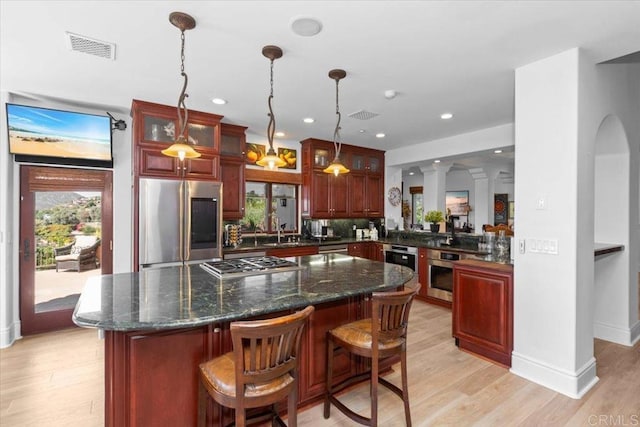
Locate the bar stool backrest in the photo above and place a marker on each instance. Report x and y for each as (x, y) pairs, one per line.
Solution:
(390, 314)
(267, 349)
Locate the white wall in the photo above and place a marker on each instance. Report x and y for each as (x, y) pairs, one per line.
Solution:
(561, 102)
(553, 343)
(466, 143)
(9, 197)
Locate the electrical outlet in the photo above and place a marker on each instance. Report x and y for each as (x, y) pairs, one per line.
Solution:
(522, 246)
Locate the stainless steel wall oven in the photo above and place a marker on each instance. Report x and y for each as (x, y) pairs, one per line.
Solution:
(441, 273)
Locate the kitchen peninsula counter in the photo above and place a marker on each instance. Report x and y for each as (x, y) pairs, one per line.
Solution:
(161, 323)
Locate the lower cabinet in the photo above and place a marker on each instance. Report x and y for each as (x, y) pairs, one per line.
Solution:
(293, 251)
(423, 273)
(152, 377)
(483, 309)
(314, 348)
(360, 250)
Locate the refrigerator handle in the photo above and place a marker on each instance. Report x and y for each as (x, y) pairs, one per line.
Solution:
(185, 212)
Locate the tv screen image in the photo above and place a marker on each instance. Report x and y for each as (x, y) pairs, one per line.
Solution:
(41, 133)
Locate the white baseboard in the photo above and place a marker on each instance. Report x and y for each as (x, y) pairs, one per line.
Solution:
(615, 334)
(10, 334)
(635, 333)
(572, 384)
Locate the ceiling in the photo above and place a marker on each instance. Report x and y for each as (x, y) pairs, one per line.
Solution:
(438, 56)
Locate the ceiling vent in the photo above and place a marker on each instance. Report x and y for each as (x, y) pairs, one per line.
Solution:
(91, 46)
(363, 115)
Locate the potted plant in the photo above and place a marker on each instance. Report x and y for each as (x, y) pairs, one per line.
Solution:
(434, 217)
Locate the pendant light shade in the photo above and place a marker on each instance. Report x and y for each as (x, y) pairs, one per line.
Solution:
(181, 148)
(181, 151)
(336, 167)
(271, 161)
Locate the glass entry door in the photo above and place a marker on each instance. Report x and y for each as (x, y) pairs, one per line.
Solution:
(65, 238)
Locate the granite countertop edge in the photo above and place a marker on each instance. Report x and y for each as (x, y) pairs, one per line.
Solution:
(187, 296)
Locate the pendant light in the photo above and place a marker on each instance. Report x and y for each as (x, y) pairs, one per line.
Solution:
(336, 167)
(271, 161)
(181, 148)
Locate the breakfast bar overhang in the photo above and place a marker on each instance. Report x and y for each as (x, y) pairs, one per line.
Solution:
(160, 324)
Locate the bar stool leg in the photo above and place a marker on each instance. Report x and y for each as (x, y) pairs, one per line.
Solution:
(329, 376)
(374, 392)
(405, 387)
(292, 414)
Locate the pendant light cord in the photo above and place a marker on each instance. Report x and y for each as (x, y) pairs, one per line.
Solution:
(182, 106)
(271, 127)
(336, 133)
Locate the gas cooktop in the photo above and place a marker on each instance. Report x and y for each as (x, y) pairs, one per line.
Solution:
(249, 266)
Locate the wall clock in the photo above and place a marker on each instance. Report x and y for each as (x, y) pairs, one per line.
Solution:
(395, 196)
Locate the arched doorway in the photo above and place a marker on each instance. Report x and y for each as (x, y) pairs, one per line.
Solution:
(616, 293)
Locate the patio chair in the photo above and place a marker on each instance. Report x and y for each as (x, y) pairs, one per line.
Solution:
(79, 255)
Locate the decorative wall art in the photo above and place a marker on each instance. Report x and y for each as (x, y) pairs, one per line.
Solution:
(290, 156)
(457, 202)
(500, 209)
(254, 152)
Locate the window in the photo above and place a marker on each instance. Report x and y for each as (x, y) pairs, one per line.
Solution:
(416, 205)
(268, 206)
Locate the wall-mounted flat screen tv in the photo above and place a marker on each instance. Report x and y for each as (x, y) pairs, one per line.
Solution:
(43, 135)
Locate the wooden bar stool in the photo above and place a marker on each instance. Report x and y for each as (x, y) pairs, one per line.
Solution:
(382, 335)
(261, 370)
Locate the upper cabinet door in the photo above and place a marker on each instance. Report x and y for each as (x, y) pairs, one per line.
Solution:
(154, 129)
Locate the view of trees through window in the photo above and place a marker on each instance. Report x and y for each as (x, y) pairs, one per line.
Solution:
(417, 209)
(60, 216)
(268, 206)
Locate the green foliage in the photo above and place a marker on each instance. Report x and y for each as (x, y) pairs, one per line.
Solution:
(54, 234)
(434, 217)
(255, 213)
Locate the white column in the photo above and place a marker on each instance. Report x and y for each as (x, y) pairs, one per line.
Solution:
(434, 187)
(553, 294)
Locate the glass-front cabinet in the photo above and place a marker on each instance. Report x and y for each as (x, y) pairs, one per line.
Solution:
(358, 194)
(154, 129)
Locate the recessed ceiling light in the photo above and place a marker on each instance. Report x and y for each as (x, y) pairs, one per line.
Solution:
(411, 173)
(362, 131)
(308, 120)
(446, 116)
(305, 26)
(219, 101)
(497, 151)
(280, 134)
(380, 135)
(436, 161)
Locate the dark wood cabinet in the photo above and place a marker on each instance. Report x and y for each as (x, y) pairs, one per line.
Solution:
(361, 250)
(232, 165)
(483, 309)
(377, 253)
(423, 273)
(314, 347)
(366, 183)
(151, 377)
(358, 194)
(154, 129)
(329, 195)
(283, 252)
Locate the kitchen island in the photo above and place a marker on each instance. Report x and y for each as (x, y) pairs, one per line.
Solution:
(160, 324)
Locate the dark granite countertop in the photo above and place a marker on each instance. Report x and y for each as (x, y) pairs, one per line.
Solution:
(425, 240)
(188, 296)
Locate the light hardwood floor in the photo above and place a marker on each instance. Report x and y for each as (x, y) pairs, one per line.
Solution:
(56, 379)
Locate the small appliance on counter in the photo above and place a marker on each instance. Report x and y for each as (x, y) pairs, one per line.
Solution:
(232, 235)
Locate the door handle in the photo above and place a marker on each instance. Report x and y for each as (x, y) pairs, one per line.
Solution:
(26, 249)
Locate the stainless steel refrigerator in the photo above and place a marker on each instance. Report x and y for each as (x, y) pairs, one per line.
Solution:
(180, 221)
